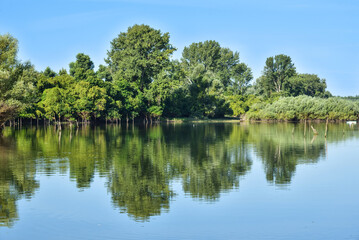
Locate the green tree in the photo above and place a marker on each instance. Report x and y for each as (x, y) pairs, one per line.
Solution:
(8, 63)
(223, 62)
(8, 52)
(276, 72)
(17, 81)
(164, 93)
(307, 84)
(213, 73)
(90, 101)
(25, 89)
(62, 71)
(240, 104)
(82, 64)
(55, 103)
(139, 54)
(49, 73)
(83, 70)
(57, 98)
(135, 58)
(206, 93)
(104, 73)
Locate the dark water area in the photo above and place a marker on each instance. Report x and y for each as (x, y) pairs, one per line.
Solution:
(180, 181)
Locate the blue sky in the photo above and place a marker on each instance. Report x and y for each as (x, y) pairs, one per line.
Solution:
(321, 36)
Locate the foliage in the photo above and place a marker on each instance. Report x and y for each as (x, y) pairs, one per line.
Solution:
(17, 82)
(240, 104)
(139, 54)
(222, 62)
(307, 84)
(212, 72)
(49, 73)
(8, 52)
(135, 58)
(89, 101)
(276, 72)
(139, 80)
(305, 107)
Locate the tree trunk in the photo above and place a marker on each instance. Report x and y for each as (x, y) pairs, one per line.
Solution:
(326, 128)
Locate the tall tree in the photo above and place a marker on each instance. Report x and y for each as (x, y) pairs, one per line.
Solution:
(55, 102)
(135, 58)
(62, 71)
(83, 70)
(276, 72)
(307, 84)
(8, 62)
(223, 62)
(212, 73)
(167, 93)
(90, 100)
(8, 52)
(49, 73)
(81, 65)
(57, 98)
(17, 80)
(139, 54)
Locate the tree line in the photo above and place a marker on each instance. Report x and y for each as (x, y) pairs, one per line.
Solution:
(141, 81)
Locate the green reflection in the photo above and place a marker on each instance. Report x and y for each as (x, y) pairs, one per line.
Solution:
(281, 147)
(139, 163)
(17, 179)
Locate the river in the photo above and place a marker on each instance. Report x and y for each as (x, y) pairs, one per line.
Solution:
(180, 181)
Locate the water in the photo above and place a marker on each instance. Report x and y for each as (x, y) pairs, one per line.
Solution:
(180, 181)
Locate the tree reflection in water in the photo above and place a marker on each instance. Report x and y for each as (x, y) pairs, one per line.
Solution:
(140, 162)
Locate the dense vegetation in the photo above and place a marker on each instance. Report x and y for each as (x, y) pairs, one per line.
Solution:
(305, 107)
(140, 81)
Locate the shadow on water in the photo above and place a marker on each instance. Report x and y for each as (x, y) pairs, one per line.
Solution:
(140, 162)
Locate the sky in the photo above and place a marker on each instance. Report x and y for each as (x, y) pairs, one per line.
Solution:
(321, 36)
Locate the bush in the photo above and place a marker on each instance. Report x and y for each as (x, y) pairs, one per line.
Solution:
(305, 107)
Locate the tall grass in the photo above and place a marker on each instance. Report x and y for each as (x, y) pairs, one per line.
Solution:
(305, 107)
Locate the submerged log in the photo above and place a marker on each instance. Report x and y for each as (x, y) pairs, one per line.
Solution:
(314, 130)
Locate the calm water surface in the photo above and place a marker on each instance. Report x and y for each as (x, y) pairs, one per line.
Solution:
(183, 181)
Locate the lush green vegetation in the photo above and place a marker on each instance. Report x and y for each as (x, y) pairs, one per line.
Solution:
(305, 107)
(140, 81)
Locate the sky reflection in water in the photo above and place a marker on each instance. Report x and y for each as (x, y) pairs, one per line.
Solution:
(195, 181)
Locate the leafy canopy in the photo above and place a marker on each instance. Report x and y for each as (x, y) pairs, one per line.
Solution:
(139, 54)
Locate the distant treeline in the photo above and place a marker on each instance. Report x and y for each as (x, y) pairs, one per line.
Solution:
(140, 81)
(353, 98)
